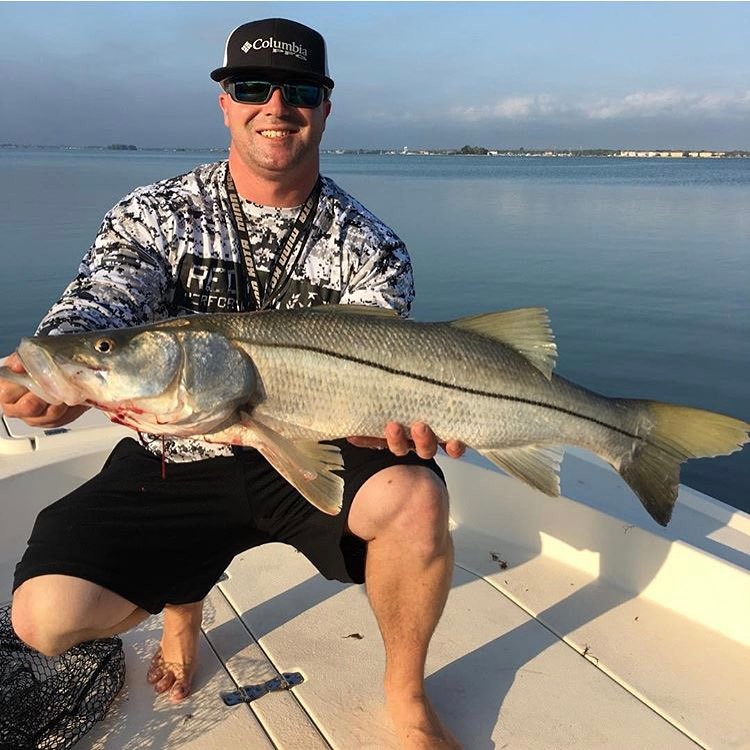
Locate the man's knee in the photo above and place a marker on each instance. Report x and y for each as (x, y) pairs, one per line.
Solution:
(34, 622)
(421, 501)
(406, 499)
(51, 613)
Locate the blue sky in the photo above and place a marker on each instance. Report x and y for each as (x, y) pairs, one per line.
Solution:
(606, 75)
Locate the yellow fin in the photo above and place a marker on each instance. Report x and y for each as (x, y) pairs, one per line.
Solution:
(537, 465)
(677, 433)
(696, 433)
(527, 330)
(308, 466)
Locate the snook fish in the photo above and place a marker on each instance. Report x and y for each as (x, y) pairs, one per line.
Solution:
(281, 381)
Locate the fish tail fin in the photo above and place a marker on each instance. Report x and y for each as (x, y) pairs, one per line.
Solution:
(678, 433)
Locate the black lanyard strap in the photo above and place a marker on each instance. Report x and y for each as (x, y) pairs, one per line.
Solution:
(291, 248)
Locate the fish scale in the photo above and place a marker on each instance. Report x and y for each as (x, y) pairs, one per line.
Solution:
(281, 381)
(335, 361)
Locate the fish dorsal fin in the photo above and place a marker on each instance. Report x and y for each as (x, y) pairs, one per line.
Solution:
(371, 310)
(537, 465)
(527, 330)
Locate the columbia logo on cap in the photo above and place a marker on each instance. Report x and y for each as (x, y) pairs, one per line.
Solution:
(286, 48)
(275, 47)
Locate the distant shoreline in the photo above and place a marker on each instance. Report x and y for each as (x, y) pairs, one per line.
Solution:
(464, 151)
(114, 147)
(551, 153)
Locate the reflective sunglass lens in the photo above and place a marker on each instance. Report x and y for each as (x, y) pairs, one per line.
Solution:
(252, 92)
(303, 95)
(259, 92)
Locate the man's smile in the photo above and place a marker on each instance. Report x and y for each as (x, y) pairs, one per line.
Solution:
(276, 133)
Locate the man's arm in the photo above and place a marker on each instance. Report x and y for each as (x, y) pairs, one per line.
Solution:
(383, 275)
(122, 281)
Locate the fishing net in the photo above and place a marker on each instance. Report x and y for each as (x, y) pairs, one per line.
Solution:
(50, 703)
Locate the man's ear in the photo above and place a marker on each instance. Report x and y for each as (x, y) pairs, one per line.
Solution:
(225, 103)
(326, 111)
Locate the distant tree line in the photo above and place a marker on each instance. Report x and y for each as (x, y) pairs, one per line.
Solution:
(474, 150)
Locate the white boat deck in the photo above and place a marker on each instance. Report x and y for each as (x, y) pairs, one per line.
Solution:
(571, 623)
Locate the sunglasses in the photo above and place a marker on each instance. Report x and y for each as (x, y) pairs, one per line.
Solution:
(307, 95)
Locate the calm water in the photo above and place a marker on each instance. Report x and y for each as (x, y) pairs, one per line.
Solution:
(643, 264)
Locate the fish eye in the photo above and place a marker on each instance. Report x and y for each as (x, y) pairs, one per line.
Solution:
(104, 345)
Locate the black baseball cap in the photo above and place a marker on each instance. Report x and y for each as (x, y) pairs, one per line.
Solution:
(275, 46)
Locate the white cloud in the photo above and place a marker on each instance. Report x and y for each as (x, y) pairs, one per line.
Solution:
(512, 108)
(668, 102)
(640, 104)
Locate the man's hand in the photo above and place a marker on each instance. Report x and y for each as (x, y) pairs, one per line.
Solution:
(17, 401)
(400, 441)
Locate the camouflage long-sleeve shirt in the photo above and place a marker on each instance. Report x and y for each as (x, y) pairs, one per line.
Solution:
(171, 248)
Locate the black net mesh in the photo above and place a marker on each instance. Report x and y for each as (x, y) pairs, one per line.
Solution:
(50, 703)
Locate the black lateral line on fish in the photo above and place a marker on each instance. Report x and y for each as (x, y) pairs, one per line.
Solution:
(462, 389)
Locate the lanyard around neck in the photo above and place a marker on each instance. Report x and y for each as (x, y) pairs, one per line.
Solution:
(286, 259)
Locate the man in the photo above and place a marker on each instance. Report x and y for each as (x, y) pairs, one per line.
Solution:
(261, 230)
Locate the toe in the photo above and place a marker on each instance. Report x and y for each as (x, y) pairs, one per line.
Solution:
(179, 691)
(165, 683)
(156, 669)
(154, 675)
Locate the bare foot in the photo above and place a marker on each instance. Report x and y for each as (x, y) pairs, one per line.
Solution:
(418, 726)
(173, 664)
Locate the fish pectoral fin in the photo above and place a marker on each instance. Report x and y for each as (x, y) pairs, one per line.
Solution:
(537, 465)
(526, 330)
(305, 464)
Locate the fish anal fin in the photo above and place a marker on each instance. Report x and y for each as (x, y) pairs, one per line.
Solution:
(526, 330)
(306, 465)
(537, 465)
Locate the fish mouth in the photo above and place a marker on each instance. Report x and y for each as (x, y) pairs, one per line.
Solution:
(52, 383)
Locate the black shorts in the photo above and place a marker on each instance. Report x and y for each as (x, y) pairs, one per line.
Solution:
(158, 541)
